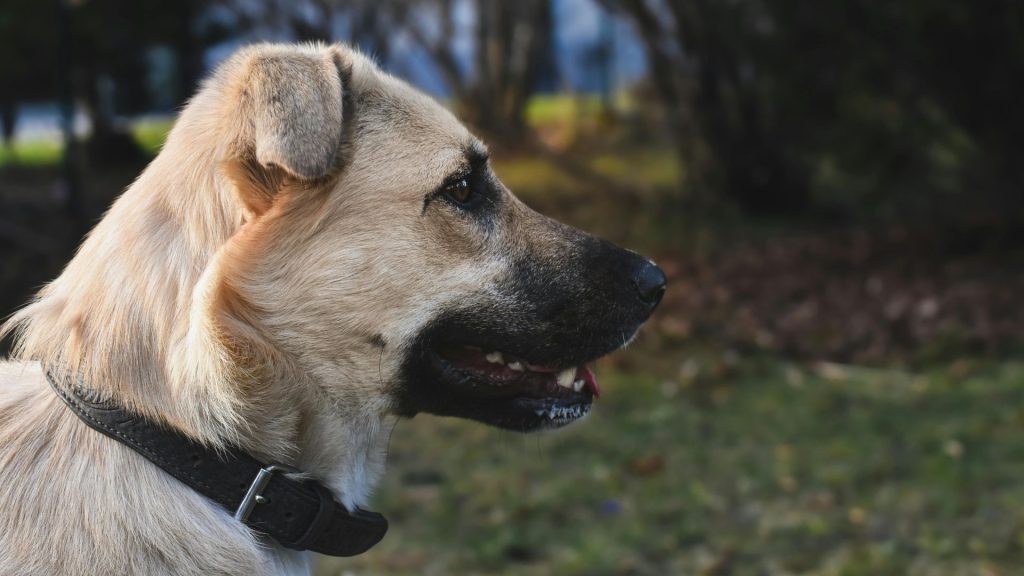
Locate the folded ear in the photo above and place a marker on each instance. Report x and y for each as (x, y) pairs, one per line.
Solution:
(294, 101)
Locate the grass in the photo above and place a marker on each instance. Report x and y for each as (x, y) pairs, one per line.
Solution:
(772, 469)
(547, 109)
(643, 168)
(557, 108)
(31, 153)
(149, 134)
(642, 220)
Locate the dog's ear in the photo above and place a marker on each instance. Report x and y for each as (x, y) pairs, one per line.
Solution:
(295, 102)
(290, 109)
(296, 105)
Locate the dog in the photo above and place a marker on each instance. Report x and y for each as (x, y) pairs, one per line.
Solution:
(317, 250)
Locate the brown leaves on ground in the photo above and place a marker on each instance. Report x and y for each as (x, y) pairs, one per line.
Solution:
(851, 297)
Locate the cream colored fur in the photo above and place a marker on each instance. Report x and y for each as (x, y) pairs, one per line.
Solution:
(255, 286)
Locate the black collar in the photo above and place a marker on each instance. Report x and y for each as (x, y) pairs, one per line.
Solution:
(301, 515)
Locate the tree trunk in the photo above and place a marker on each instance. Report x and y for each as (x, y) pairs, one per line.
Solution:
(187, 50)
(107, 144)
(695, 67)
(8, 120)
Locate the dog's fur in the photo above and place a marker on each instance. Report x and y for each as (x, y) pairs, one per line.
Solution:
(263, 284)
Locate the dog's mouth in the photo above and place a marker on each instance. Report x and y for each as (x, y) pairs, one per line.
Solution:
(553, 396)
(509, 374)
(505, 389)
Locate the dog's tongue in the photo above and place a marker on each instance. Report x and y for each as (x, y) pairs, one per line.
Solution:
(589, 380)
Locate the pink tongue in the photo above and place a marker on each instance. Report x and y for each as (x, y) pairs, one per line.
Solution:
(589, 380)
(541, 369)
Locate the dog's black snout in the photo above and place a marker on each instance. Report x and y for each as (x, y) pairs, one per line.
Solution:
(650, 283)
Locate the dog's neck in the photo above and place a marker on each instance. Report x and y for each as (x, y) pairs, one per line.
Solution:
(146, 314)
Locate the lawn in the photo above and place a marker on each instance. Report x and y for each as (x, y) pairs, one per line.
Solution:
(766, 468)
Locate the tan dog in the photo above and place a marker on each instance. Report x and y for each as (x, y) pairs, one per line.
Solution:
(318, 249)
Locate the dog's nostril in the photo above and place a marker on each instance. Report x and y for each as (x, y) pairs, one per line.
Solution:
(650, 283)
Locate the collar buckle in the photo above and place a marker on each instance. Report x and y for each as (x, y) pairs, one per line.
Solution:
(254, 495)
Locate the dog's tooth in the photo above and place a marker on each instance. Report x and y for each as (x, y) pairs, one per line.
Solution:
(515, 365)
(565, 377)
(495, 358)
(577, 385)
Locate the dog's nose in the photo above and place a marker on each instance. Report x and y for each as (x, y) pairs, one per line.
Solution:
(650, 283)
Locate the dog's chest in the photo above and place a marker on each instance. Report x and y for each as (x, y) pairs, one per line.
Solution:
(290, 562)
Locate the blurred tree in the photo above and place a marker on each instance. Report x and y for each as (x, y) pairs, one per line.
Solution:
(782, 103)
(111, 39)
(109, 42)
(305, 21)
(970, 60)
(371, 23)
(714, 96)
(27, 74)
(513, 41)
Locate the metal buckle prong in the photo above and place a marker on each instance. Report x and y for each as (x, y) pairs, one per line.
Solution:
(254, 495)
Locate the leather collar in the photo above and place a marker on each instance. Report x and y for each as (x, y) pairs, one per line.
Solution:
(298, 514)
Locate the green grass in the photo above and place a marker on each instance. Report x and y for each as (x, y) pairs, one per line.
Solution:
(643, 218)
(770, 469)
(31, 153)
(558, 108)
(643, 168)
(536, 177)
(150, 134)
(647, 168)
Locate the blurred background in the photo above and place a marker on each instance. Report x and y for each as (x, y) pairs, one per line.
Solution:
(834, 383)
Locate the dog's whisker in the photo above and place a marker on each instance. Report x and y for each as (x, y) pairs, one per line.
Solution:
(387, 445)
(380, 361)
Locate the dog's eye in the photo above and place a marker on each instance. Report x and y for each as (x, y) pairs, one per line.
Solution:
(459, 191)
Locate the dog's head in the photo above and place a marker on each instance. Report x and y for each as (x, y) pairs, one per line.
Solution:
(385, 258)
